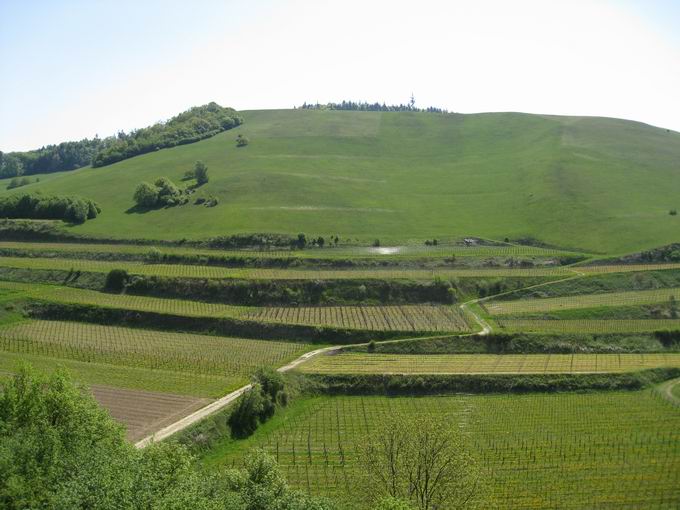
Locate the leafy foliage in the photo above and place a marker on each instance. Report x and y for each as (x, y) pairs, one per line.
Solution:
(372, 107)
(242, 141)
(52, 158)
(47, 207)
(190, 126)
(419, 459)
(200, 173)
(59, 449)
(163, 192)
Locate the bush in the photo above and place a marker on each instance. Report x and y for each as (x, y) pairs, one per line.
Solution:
(245, 417)
(242, 141)
(116, 280)
(673, 212)
(200, 173)
(146, 195)
(163, 192)
(271, 382)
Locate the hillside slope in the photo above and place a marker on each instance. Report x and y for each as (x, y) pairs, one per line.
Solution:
(598, 184)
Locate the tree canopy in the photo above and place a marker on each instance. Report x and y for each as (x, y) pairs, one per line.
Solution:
(59, 449)
(190, 126)
(48, 207)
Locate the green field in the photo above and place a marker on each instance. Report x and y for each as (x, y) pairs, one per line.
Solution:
(364, 363)
(588, 325)
(199, 365)
(583, 301)
(399, 176)
(572, 451)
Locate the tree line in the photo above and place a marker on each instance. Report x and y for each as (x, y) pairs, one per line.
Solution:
(190, 126)
(37, 206)
(372, 107)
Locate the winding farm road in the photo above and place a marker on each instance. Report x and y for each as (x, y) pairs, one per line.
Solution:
(221, 403)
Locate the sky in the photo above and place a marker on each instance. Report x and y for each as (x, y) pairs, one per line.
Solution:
(76, 68)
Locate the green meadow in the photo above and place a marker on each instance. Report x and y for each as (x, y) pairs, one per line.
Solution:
(399, 176)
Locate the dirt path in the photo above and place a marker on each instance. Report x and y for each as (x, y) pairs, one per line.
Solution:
(667, 391)
(220, 404)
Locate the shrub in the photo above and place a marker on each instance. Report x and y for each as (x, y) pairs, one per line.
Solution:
(242, 141)
(116, 280)
(77, 211)
(271, 382)
(146, 195)
(245, 417)
(200, 173)
(673, 212)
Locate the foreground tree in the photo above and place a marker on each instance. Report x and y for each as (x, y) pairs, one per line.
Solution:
(59, 449)
(421, 461)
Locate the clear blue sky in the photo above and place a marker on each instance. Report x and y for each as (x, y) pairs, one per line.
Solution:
(73, 69)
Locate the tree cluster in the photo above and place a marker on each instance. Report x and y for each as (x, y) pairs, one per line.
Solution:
(59, 449)
(371, 107)
(199, 172)
(17, 183)
(51, 158)
(37, 206)
(162, 193)
(259, 404)
(190, 126)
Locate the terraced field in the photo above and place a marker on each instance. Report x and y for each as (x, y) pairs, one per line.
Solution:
(360, 363)
(588, 325)
(217, 272)
(581, 301)
(373, 318)
(72, 295)
(206, 361)
(410, 250)
(568, 451)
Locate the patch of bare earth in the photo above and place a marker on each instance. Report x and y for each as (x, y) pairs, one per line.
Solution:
(145, 412)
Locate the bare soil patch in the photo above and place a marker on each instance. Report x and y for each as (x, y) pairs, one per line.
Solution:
(144, 412)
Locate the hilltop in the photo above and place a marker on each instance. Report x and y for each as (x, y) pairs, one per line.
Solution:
(595, 184)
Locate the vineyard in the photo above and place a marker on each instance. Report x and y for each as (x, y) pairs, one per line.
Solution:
(342, 251)
(588, 325)
(640, 297)
(197, 356)
(126, 301)
(373, 318)
(217, 272)
(571, 451)
(353, 363)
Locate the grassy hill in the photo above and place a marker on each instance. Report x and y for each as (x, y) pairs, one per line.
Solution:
(597, 184)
